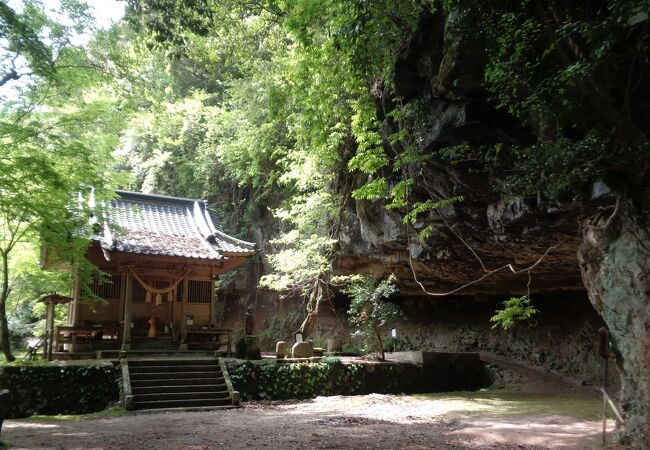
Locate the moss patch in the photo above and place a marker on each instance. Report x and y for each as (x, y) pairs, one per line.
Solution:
(509, 403)
(113, 411)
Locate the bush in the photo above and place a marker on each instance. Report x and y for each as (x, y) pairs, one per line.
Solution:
(49, 389)
(283, 381)
(295, 381)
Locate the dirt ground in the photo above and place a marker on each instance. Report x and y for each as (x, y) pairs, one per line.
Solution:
(534, 411)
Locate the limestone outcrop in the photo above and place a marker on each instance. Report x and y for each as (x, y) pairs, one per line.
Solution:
(440, 80)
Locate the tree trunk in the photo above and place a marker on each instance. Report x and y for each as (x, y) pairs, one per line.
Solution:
(4, 326)
(307, 326)
(615, 264)
(315, 297)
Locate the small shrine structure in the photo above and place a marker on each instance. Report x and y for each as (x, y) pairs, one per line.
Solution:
(160, 257)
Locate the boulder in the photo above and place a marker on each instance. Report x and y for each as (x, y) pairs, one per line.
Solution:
(281, 349)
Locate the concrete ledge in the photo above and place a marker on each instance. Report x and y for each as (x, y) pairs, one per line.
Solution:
(126, 385)
(313, 359)
(427, 358)
(235, 396)
(443, 371)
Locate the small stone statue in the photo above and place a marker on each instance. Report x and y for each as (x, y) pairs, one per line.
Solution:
(249, 323)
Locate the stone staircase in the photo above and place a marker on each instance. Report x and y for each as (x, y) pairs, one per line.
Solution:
(177, 384)
(163, 342)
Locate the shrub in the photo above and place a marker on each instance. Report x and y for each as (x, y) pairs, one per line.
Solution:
(50, 389)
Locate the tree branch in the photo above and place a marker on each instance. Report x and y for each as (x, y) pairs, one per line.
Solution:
(510, 267)
(11, 75)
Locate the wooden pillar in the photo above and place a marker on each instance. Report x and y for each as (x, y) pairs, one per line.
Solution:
(213, 305)
(171, 298)
(120, 309)
(75, 301)
(128, 300)
(183, 344)
(49, 330)
(56, 338)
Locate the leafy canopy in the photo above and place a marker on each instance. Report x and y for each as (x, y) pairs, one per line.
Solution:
(370, 311)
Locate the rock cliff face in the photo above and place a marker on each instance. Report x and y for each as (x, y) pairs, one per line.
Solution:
(562, 338)
(439, 78)
(487, 242)
(615, 261)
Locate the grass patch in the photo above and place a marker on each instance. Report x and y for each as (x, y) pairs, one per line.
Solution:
(113, 411)
(585, 406)
(19, 359)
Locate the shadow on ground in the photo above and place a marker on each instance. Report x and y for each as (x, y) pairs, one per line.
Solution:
(490, 419)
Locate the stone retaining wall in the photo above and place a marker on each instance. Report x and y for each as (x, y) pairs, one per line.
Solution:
(53, 389)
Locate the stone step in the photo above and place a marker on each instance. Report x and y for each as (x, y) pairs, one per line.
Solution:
(154, 353)
(179, 388)
(148, 362)
(183, 409)
(176, 381)
(162, 343)
(145, 337)
(215, 395)
(188, 374)
(157, 404)
(155, 346)
(140, 369)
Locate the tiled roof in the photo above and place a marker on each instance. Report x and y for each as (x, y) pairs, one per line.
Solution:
(167, 226)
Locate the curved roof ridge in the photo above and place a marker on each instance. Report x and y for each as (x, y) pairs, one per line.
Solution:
(234, 239)
(155, 197)
(197, 229)
(167, 226)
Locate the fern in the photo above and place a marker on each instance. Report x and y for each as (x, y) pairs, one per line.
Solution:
(515, 310)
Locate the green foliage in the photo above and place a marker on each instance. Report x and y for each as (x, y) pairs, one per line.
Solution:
(29, 281)
(54, 142)
(370, 312)
(418, 209)
(566, 70)
(20, 33)
(516, 310)
(282, 381)
(302, 254)
(299, 381)
(564, 168)
(50, 389)
(279, 326)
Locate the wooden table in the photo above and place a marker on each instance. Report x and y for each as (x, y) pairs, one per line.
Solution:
(210, 337)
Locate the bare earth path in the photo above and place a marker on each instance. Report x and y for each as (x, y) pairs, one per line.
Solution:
(492, 419)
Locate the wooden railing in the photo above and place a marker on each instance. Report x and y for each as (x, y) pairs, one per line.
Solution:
(607, 401)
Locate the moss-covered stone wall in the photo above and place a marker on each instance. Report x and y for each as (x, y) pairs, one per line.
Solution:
(561, 337)
(52, 389)
(281, 381)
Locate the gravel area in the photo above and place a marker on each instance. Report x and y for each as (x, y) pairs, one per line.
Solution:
(493, 419)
